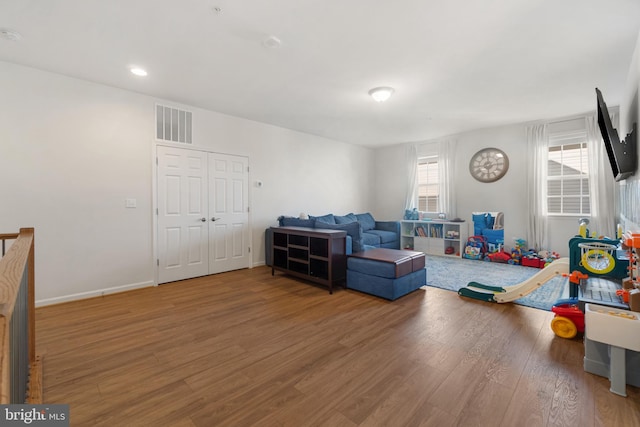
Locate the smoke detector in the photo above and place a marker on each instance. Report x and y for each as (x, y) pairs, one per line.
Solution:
(10, 35)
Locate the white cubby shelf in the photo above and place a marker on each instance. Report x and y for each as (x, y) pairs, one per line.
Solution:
(442, 238)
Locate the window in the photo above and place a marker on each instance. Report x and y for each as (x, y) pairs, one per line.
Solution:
(428, 185)
(568, 175)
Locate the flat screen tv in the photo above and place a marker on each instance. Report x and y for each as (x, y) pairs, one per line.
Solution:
(622, 154)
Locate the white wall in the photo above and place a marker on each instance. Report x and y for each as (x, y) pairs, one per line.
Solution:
(390, 182)
(300, 173)
(630, 114)
(72, 151)
(508, 194)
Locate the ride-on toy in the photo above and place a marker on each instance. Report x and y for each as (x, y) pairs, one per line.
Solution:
(569, 319)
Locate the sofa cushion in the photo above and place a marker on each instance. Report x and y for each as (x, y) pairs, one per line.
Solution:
(346, 219)
(367, 221)
(353, 229)
(297, 222)
(349, 250)
(326, 219)
(385, 236)
(370, 239)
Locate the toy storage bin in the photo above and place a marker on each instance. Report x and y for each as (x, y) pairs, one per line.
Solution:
(612, 342)
(532, 262)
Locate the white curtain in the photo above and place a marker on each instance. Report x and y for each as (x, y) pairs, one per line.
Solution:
(412, 176)
(446, 170)
(537, 149)
(601, 183)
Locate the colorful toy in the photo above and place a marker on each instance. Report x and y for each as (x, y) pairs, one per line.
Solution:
(499, 256)
(537, 260)
(631, 241)
(583, 231)
(595, 257)
(517, 251)
(568, 319)
(588, 257)
(476, 248)
(531, 259)
(511, 293)
(520, 243)
(551, 257)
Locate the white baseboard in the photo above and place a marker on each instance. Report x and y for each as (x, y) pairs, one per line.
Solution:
(92, 294)
(258, 264)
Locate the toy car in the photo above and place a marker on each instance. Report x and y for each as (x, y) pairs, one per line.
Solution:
(500, 256)
(569, 319)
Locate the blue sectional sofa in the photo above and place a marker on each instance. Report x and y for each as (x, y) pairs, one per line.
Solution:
(363, 231)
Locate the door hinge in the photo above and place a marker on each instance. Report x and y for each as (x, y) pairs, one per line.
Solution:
(248, 209)
(158, 262)
(156, 161)
(249, 248)
(157, 213)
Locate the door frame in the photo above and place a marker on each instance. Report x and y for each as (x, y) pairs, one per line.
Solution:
(154, 200)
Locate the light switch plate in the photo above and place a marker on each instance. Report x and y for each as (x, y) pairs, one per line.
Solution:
(130, 203)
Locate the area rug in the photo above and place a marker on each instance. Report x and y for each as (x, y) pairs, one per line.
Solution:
(455, 273)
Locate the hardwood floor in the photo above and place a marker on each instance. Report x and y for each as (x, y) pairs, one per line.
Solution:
(245, 348)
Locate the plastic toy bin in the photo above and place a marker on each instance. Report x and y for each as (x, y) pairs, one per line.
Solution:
(612, 326)
(532, 262)
(612, 340)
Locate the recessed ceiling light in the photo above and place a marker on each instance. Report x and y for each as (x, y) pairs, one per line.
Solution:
(272, 42)
(10, 35)
(138, 71)
(381, 94)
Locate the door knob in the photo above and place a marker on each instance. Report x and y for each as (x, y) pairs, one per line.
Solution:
(203, 219)
(214, 219)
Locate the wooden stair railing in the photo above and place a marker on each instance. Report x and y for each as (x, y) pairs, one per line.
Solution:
(20, 367)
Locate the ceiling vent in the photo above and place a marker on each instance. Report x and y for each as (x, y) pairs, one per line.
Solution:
(173, 124)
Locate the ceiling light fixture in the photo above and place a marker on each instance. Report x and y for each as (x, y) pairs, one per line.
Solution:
(138, 71)
(272, 42)
(381, 94)
(10, 35)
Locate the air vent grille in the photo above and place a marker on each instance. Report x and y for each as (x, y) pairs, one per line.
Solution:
(173, 124)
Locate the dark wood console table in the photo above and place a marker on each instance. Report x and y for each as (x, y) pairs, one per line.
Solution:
(311, 254)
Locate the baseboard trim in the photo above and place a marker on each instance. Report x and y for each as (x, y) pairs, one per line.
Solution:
(93, 294)
(258, 264)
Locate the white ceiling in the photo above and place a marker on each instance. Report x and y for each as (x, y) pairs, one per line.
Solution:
(456, 65)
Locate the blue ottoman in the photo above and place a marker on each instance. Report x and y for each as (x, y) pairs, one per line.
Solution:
(386, 273)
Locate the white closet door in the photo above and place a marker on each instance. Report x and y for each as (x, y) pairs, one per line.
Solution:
(229, 213)
(183, 223)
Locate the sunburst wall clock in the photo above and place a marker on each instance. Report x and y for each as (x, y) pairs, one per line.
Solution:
(489, 165)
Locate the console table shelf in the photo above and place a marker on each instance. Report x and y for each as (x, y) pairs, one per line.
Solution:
(443, 238)
(315, 255)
